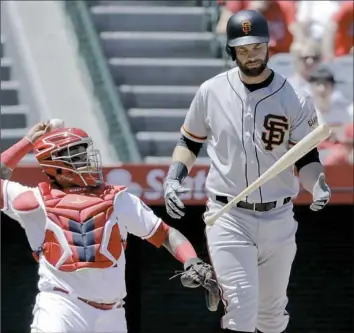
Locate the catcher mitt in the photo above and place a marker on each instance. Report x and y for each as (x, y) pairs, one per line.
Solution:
(198, 273)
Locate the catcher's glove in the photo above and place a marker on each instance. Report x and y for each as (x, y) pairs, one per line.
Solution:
(198, 273)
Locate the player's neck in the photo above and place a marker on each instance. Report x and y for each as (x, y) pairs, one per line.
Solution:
(257, 79)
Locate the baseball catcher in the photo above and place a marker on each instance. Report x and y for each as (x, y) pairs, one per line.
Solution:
(77, 228)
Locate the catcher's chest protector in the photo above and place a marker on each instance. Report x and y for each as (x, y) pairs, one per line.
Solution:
(78, 234)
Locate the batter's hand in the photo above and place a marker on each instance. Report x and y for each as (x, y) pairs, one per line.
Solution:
(174, 205)
(321, 194)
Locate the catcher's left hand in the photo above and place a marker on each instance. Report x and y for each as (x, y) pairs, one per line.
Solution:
(198, 273)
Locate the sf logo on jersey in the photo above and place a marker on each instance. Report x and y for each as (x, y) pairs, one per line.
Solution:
(246, 27)
(276, 127)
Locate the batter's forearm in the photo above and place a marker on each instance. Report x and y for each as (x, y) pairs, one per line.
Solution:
(182, 162)
(179, 246)
(309, 174)
(185, 156)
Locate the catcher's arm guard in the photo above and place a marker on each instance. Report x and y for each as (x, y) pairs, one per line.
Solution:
(198, 273)
(6, 172)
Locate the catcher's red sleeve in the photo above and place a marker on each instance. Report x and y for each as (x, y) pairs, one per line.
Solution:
(12, 156)
(2, 189)
(185, 251)
(160, 235)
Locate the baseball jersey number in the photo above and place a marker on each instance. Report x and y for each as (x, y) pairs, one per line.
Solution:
(276, 127)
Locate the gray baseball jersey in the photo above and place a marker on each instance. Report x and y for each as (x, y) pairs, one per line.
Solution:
(247, 132)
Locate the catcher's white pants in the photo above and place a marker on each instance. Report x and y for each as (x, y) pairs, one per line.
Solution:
(56, 312)
(252, 254)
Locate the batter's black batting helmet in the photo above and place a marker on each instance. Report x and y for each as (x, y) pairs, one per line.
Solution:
(245, 27)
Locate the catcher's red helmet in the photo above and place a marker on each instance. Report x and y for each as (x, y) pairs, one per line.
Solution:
(67, 156)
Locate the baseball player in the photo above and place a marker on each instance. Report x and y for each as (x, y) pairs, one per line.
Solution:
(249, 116)
(77, 227)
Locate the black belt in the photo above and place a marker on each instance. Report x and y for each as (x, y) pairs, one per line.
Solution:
(259, 207)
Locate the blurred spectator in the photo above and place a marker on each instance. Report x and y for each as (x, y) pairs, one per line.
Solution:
(338, 39)
(311, 19)
(279, 14)
(331, 106)
(306, 59)
(351, 110)
(342, 152)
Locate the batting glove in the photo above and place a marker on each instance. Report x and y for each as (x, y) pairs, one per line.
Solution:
(321, 194)
(174, 205)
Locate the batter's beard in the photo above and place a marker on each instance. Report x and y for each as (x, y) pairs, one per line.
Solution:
(253, 72)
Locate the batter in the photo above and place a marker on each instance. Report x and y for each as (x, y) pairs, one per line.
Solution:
(249, 116)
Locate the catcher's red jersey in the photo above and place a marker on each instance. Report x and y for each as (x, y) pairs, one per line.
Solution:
(81, 218)
(79, 236)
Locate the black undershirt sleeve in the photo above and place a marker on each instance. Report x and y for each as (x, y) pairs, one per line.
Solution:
(311, 157)
(193, 146)
(179, 171)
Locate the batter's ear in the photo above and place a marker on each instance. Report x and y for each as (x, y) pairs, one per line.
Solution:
(230, 51)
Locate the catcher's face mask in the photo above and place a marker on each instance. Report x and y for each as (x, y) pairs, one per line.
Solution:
(67, 155)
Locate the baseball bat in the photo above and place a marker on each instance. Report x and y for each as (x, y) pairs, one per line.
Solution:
(305, 145)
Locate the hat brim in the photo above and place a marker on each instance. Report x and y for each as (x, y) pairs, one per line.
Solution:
(246, 40)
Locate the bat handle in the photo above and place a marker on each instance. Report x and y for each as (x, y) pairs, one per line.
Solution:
(211, 220)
